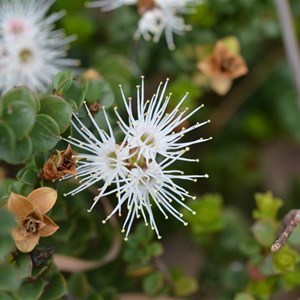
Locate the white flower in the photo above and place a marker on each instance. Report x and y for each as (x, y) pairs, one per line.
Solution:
(31, 52)
(157, 16)
(156, 21)
(137, 169)
(153, 186)
(102, 160)
(152, 131)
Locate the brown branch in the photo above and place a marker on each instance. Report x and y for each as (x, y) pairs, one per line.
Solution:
(290, 222)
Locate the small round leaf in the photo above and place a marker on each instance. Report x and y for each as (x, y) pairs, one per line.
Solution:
(7, 141)
(58, 109)
(45, 133)
(20, 117)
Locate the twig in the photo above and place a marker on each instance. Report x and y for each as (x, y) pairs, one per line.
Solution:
(290, 41)
(290, 222)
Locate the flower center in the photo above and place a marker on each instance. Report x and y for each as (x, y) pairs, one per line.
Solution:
(25, 55)
(148, 139)
(32, 225)
(136, 160)
(228, 64)
(112, 159)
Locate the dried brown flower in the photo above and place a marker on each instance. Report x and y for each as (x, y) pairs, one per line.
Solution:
(30, 216)
(94, 108)
(60, 164)
(222, 66)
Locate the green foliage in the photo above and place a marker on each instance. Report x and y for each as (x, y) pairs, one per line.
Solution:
(267, 205)
(7, 223)
(57, 108)
(208, 216)
(255, 127)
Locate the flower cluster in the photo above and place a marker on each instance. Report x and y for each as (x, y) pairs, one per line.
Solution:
(157, 16)
(138, 167)
(31, 52)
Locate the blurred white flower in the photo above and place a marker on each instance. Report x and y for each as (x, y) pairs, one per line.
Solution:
(31, 52)
(154, 22)
(137, 169)
(157, 16)
(152, 130)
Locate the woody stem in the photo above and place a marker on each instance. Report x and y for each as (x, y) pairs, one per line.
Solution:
(290, 41)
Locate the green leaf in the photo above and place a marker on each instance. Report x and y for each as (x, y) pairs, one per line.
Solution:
(261, 288)
(78, 285)
(58, 109)
(291, 279)
(7, 141)
(267, 205)
(20, 117)
(75, 94)
(156, 249)
(27, 176)
(23, 265)
(31, 290)
(19, 94)
(45, 133)
(62, 81)
(56, 289)
(265, 231)
(7, 222)
(5, 185)
(285, 259)
(209, 214)
(4, 296)
(23, 151)
(6, 246)
(153, 283)
(9, 280)
(93, 90)
(185, 286)
(99, 91)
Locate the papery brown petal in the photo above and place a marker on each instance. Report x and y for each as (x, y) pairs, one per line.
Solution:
(241, 70)
(43, 198)
(221, 85)
(207, 66)
(49, 228)
(50, 166)
(28, 243)
(19, 205)
(18, 234)
(68, 152)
